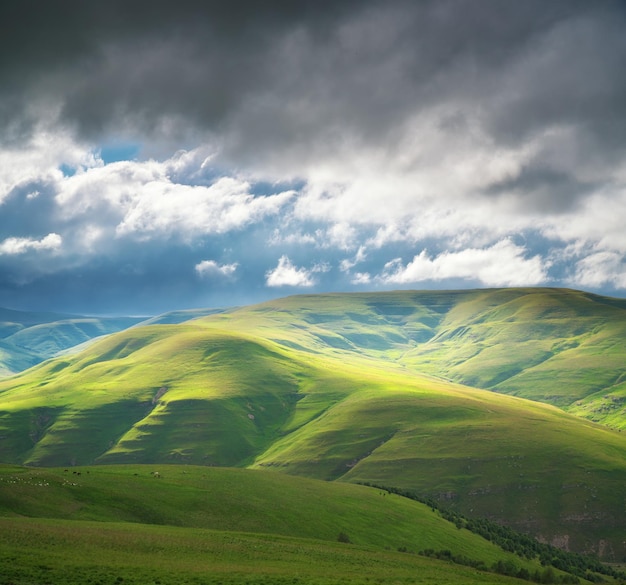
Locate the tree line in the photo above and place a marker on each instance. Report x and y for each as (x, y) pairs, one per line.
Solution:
(525, 546)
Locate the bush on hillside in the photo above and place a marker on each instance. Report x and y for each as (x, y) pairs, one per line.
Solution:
(343, 537)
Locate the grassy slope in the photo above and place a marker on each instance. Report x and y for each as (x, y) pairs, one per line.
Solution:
(214, 392)
(235, 500)
(328, 389)
(72, 553)
(558, 346)
(220, 523)
(554, 346)
(535, 468)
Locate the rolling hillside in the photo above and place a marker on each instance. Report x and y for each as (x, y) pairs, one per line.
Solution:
(558, 346)
(236, 500)
(186, 524)
(331, 387)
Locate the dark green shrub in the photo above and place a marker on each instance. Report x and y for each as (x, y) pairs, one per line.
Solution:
(343, 537)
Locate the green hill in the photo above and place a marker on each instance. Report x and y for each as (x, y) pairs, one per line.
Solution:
(48, 339)
(327, 386)
(235, 500)
(183, 524)
(558, 346)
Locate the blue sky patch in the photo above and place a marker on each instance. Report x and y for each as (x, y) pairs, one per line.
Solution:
(118, 151)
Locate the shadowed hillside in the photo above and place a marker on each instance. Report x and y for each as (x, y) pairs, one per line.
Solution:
(28, 338)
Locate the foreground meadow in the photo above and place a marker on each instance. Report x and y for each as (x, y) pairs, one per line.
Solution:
(185, 524)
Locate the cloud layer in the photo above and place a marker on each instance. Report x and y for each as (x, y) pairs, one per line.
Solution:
(317, 146)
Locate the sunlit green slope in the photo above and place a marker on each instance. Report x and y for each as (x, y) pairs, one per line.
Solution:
(558, 346)
(177, 393)
(271, 387)
(553, 346)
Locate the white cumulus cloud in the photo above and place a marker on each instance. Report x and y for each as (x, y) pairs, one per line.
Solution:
(39, 159)
(361, 278)
(601, 268)
(348, 263)
(209, 268)
(503, 264)
(286, 274)
(14, 246)
(154, 199)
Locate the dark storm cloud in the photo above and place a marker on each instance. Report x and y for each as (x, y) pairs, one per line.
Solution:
(280, 74)
(548, 190)
(144, 59)
(571, 75)
(39, 35)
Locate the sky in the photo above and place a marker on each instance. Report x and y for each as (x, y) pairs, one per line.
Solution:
(164, 155)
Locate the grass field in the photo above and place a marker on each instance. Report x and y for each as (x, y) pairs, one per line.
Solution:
(76, 553)
(117, 524)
